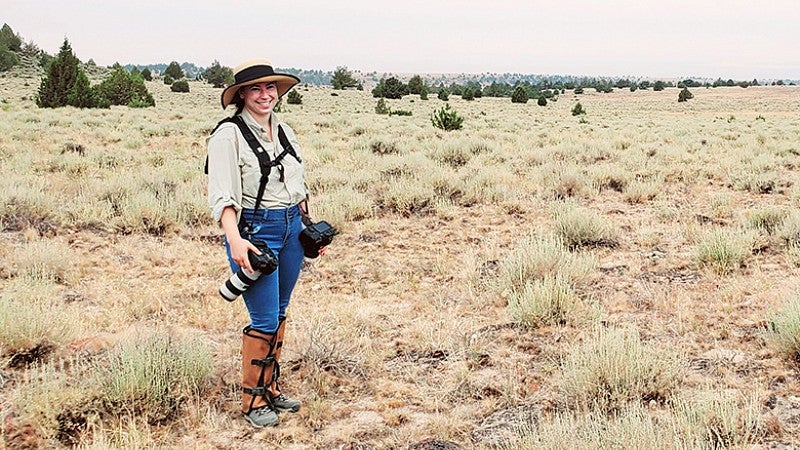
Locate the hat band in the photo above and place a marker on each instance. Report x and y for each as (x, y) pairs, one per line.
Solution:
(252, 73)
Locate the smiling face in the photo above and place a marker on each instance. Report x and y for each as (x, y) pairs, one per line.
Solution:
(259, 99)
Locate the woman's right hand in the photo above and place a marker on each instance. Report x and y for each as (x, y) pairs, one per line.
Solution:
(239, 249)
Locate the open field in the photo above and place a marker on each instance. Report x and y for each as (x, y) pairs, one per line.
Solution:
(624, 279)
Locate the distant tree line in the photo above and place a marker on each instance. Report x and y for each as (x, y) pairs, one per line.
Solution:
(13, 49)
(543, 90)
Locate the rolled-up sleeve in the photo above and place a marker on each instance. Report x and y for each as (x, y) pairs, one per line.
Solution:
(224, 172)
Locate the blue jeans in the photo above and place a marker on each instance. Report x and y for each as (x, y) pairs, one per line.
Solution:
(268, 298)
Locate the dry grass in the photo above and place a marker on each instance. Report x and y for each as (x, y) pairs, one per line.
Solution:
(409, 329)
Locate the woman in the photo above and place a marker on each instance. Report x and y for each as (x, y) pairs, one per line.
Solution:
(235, 176)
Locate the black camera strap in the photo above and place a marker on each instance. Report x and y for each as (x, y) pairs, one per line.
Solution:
(264, 162)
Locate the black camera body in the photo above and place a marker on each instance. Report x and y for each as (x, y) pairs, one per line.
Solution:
(263, 264)
(315, 236)
(266, 262)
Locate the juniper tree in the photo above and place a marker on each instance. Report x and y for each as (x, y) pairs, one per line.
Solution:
(218, 75)
(294, 98)
(390, 88)
(121, 88)
(11, 40)
(520, 95)
(415, 85)
(65, 82)
(174, 70)
(684, 95)
(343, 79)
(8, 59)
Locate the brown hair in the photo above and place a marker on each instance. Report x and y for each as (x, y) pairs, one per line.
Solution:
(239, 102)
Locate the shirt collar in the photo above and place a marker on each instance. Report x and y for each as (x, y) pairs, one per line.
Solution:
(251, 122)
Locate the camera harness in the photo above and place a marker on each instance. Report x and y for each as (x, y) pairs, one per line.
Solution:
(264, 162)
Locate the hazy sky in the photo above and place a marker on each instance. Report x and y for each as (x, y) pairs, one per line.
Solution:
(739, 39)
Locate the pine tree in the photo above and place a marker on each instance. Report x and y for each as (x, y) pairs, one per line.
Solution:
(65, 82)
(447, 119)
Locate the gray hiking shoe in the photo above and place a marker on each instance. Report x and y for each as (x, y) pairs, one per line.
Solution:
(262, 417)
(286, 404)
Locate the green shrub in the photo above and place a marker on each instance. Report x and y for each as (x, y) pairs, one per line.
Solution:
(684, 95)
(168, 79)
(180, 86)
(768, 219)
(218, 75)
(541, 101)
(294, 98)
(174, 71)
(381, 147)
(725, 251)
(32, 319)
(789, 231)
(343, 79)
(423, 93)
(520, 95)
(640, 191)
(147, 75)
(443, 94)
(399, 112)
(8, 59)
(121, 88)
(150, 376)
(390, 88)
(447, 119)
(577, 110)
(632, 428)
(784, 329)
(44, 261)
(539, 258)
(582, 228)
(380, 107)
(719, 420)
(548, 301)
(612, 368)
(9, 39)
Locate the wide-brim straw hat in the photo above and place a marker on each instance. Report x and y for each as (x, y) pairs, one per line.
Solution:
(257, 71)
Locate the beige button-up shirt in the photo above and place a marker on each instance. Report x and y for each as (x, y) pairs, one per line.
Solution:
(234, 173)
